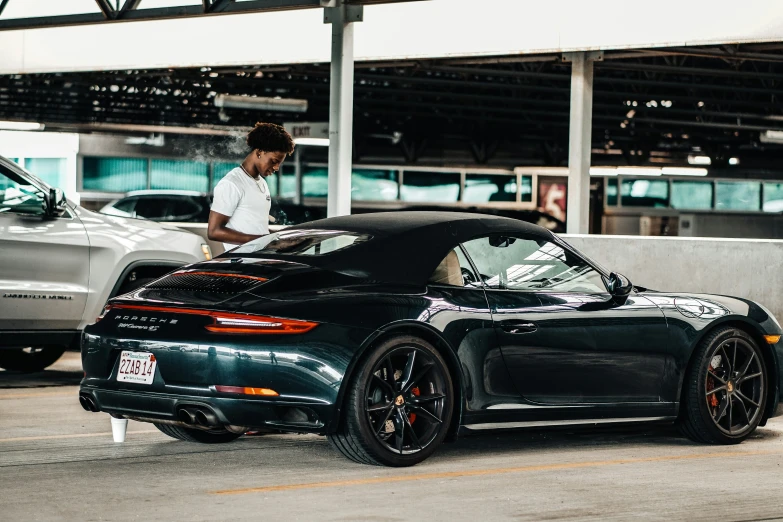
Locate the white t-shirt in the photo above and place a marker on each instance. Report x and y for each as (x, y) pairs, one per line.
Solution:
(245, 200)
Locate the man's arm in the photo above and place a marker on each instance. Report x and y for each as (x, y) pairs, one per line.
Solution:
(218, 231)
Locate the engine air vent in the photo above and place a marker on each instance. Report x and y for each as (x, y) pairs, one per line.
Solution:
(206, 282)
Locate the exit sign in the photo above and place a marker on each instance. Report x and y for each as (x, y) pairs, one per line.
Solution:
(300, 130)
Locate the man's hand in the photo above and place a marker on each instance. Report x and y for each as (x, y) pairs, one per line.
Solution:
(218, 231)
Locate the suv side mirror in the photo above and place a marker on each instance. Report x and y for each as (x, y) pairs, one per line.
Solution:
(618, 285)
(55, 202)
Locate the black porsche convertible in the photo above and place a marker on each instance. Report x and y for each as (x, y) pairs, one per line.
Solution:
(391, 332)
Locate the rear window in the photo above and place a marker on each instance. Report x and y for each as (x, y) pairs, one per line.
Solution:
(303, 242)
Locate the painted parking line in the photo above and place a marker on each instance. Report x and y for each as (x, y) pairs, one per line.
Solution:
(487, 472)
(74, 394)
(73, 436)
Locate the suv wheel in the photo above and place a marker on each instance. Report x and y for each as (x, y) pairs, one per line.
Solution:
(28, 360)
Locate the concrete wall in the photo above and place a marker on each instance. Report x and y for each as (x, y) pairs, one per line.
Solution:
(702, 224)
(748, 268)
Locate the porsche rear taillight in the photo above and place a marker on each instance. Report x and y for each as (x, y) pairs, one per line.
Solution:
(244, 324)
(232, 323)
(103, 313)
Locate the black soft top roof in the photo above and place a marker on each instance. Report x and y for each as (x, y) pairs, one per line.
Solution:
(406, 247)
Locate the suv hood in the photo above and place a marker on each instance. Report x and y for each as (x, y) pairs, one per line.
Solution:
(95, 220)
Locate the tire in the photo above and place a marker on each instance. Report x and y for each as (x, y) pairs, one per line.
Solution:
(398, 406)
(724, 394)
(28, 360)
(196, 435)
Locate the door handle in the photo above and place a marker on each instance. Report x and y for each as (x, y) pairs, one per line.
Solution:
(518, 327)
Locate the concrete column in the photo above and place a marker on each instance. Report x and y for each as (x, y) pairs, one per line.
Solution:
(342, 18)
(579, 140)
(299, 194)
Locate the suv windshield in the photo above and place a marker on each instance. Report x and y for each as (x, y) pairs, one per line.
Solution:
(303, 242)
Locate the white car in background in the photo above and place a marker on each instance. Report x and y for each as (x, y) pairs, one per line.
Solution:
(60, 263)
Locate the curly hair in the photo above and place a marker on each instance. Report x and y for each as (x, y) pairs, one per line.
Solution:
(270, 138)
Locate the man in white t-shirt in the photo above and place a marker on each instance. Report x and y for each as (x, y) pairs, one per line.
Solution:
(240, 208)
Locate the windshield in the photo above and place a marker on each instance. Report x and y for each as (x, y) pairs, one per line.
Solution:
(303, 242)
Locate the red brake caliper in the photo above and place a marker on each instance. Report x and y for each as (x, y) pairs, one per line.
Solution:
(412, 416)
(711, 386)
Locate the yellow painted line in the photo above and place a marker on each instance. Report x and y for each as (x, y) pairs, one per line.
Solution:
(74, 394)
(486, 472)
(73, 436)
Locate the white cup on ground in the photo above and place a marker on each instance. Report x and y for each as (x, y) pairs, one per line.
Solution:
(118, 429)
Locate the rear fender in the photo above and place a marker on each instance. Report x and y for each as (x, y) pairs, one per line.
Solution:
(407, 327)
(94, 309)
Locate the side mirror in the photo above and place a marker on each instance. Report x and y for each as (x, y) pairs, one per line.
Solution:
(618, 285)
(55, 202)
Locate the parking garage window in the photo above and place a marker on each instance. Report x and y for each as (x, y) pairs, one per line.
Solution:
(738, 195)
(611, 192)
(114, 174)
(50, 170)
(315, 182)
(645, 193)
(485, 188)
(692, 195)
(179, 175)
(432, 187)
(374, 185)
(287, 181)
(773, 197)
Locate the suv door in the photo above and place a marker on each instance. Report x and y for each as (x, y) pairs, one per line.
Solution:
(44, 261)
(563, 337)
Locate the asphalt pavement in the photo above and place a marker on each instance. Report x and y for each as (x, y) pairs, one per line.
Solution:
(58, 462)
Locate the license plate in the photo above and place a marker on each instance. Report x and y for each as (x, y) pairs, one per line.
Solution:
(137, 367)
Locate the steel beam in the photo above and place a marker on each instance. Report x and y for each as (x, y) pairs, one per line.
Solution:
(130, 11)
(162, 13)
(342, 18)
(579, 141)
(106, 9)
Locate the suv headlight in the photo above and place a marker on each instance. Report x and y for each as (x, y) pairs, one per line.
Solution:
(207, 251)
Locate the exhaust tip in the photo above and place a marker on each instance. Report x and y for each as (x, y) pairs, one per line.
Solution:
(187, 416)
(206, 418)
(88, 403)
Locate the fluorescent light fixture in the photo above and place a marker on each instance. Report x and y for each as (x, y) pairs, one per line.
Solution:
(603, 171)
(261, 103)
(734, 161)
(21, 125)
(771, 136)
(683, 171)
(318, 142)
(639, 171)
(699, 160)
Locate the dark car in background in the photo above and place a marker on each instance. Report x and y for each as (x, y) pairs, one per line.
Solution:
(178, 206)
(185, 206)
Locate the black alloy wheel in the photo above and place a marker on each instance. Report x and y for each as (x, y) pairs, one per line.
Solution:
(399, 405)
(29, 360)
(726, 389)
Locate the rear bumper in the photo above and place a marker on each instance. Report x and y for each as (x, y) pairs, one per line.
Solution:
(285, 415)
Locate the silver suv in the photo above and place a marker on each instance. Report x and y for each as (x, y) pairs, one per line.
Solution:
(60, 263)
